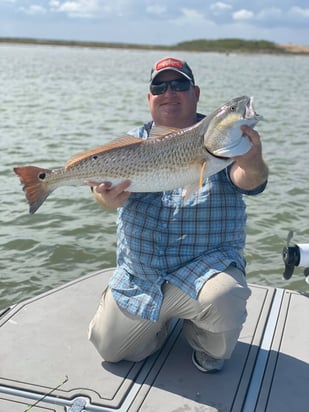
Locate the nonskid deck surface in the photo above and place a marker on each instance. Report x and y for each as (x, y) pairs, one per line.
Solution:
(47, 363)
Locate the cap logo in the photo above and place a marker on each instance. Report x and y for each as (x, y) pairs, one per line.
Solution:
(162, 64)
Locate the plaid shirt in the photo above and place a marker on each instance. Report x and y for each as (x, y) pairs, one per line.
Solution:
(160, 239)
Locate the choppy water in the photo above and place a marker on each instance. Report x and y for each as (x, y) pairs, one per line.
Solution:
(56, 101)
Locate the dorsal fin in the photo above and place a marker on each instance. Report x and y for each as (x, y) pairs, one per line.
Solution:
(159, 131)
(123, 141)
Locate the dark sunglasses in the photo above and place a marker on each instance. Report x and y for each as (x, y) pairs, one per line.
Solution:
(179, 85)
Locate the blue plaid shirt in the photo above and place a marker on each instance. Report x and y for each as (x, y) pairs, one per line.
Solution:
(160, 239)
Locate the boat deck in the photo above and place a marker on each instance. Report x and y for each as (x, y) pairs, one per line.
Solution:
(47, 363)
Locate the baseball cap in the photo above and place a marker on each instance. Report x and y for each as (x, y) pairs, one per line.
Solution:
(170, 63)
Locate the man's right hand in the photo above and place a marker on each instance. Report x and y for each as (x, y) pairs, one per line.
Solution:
(108, 197)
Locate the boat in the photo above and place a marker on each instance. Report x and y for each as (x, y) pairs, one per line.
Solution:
(48, 364)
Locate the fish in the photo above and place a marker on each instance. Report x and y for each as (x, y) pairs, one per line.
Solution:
(170, 158)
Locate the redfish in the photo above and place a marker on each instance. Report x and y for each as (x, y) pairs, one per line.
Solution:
(169, 159)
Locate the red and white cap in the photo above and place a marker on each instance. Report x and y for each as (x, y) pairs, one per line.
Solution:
(170, 63)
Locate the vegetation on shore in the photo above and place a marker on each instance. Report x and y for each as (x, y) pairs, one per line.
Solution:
(229, 45)
(202, 45)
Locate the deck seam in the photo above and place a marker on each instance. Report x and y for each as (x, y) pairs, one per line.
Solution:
(263, 353)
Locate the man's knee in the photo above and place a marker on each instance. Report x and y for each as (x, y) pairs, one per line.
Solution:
(108, 349)
(225, 297)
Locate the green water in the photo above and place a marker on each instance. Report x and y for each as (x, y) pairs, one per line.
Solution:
(57, 101)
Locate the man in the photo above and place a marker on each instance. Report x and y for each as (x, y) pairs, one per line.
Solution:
(175, 260)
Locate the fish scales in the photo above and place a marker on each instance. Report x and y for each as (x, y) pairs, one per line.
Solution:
(146, 159)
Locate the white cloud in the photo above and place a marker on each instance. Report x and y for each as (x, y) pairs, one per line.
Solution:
(243, 15)
(156, 21)
(54, 3)
(77, 8)
(270, 15)
(219, 6)
(33, 9)
(298, 11)
(292, 17)
(192, 14)
(190, 24)
(104, 8)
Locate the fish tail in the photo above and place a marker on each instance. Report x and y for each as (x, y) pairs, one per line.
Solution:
(35, 186)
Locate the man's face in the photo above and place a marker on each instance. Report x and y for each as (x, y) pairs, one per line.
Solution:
(173, 108)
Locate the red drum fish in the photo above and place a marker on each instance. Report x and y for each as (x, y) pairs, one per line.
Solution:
(168, 159)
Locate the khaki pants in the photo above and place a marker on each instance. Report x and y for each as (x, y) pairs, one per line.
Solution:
(212, 323)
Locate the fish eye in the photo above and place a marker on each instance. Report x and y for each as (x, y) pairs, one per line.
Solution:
(94, 157)
(42, 175)
(233, 108)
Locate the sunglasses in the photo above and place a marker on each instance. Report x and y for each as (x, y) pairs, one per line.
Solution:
(179, 85)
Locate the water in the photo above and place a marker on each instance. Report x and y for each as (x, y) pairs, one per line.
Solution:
(57, 101)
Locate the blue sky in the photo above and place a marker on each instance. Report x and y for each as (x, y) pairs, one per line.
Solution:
(156, 21)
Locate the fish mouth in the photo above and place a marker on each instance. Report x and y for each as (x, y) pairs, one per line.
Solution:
(241, 144)
(250, 113)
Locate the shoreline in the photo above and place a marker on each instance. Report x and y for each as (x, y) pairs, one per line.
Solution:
(219, 46)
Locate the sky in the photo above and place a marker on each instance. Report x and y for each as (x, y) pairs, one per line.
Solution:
(159, 22)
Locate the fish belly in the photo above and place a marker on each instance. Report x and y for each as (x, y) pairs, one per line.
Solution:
(160, 181)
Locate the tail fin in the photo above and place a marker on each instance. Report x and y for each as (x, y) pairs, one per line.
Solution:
(35, 187)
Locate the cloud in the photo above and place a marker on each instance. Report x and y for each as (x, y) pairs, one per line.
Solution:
(192, 14)
(156, 20)
(299, 12)
(33, 9)
(220, 7)
(243, 15)
(77, 8)
(274, 16)
(270, 16)
(106, 8)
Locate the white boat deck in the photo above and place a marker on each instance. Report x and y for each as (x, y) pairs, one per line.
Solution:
(47, 363)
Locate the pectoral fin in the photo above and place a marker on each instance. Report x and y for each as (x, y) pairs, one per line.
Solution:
(202, 175)
(188, 191)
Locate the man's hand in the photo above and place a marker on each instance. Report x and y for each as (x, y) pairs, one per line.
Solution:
(110, 198)
(249, 170)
